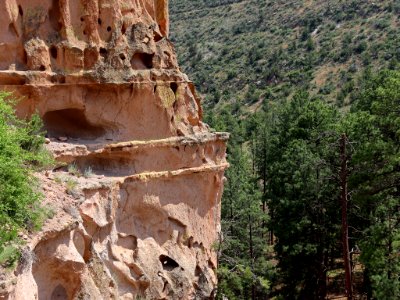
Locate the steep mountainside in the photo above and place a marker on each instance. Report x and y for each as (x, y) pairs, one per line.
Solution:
(246, 51)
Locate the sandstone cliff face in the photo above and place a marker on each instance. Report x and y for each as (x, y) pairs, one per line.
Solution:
(138, 204)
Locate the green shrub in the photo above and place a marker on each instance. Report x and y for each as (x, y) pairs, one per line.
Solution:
(21, 153)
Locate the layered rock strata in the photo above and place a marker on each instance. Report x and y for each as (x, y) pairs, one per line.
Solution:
(137, 192)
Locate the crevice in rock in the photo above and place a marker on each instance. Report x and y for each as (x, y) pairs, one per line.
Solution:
(12, 30)
(157, 37)
(168, 263)
(54, 15)
(123, 29)
(71, 123)
(174, 87)
(54, 52)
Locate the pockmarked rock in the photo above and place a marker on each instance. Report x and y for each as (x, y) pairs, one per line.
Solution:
(137, 189)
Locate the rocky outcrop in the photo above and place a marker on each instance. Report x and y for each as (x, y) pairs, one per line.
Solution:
(137, 192)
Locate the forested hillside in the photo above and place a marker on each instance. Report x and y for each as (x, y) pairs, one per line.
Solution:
(247, 51)
(309, 91)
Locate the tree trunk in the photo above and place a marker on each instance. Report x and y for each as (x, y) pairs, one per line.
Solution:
(345, 226)
(253, 290)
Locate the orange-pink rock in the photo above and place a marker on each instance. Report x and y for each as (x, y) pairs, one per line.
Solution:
(138, 206)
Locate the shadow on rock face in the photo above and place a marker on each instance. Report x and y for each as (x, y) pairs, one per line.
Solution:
(72, 123)
(59, 293)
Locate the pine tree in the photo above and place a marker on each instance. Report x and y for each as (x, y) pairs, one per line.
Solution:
(303, 194)
(374, 127)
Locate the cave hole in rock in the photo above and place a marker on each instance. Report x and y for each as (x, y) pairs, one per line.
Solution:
(103, 52)
(54, 15)
(42, 68)
(142, 61)
(59, 293)
(71, 123)
(174, 87)
(106, 165)
(54, 52)
(109, 28)
(99, 21)
(168, 263)
(198, 271)
(157, 37)
(82, 19)
(122, 56)
(20, 11)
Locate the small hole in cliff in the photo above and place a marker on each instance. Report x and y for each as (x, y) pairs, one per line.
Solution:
(157, 37)
(42, 68)
(109, 28)
(142, 61)
(53, 52)
(168, 263)
(174, 87)
(82, 19)
(84, 32)
(122, 56)
(99, 21)
(198, 271)
(103, 52)
(20, 11)
(71, 123)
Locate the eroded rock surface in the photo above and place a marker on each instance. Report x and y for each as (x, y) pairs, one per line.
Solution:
(138, 203)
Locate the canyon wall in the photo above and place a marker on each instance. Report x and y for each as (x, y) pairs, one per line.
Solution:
(136, 193)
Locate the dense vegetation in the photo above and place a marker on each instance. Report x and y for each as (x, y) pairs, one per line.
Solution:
(310, 91)
(287, 194)
(20, 154)
(247, 51)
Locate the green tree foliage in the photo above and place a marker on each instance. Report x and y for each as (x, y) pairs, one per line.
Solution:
(302, 193)
(374, 127)
(245, 269)
(284, 180)
(20, 154)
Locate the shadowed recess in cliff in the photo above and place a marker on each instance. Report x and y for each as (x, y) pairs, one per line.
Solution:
(71, 123)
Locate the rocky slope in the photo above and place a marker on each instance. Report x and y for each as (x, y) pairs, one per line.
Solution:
(137, 202)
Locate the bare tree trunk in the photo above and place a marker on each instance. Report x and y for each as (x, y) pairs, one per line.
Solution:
(345, 226)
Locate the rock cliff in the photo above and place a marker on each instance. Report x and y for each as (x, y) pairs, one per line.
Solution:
(137, 194)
